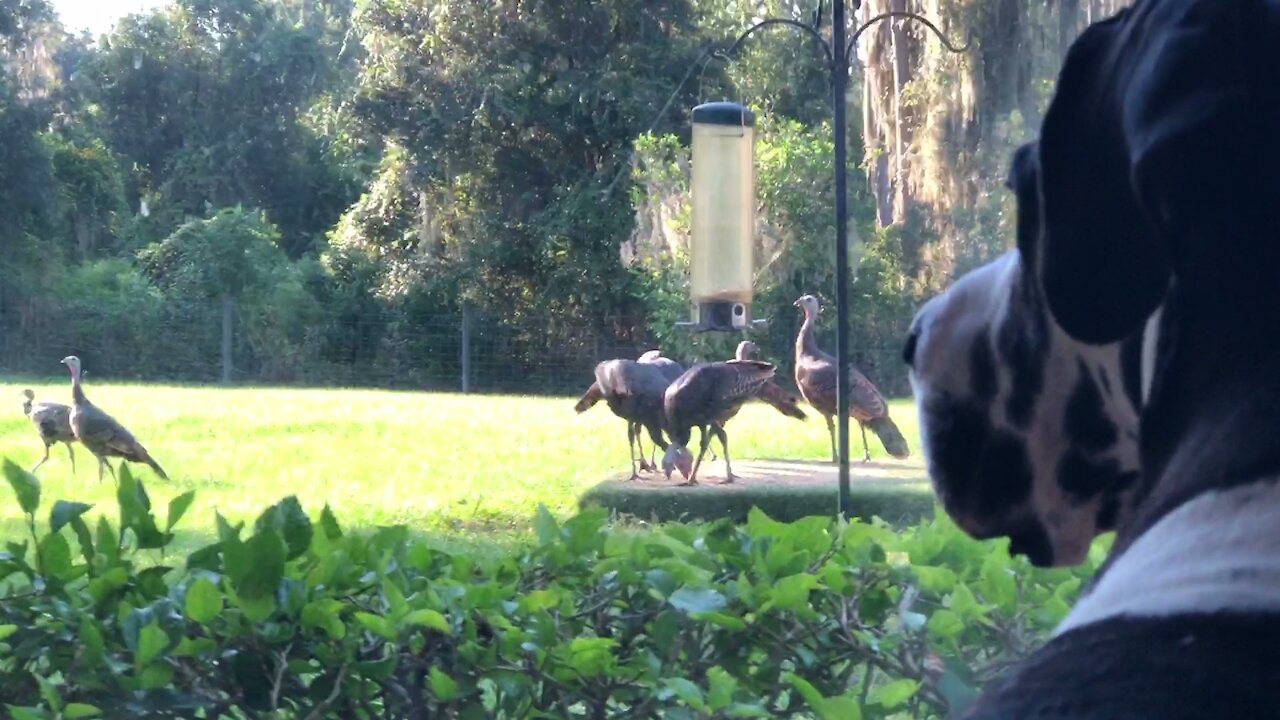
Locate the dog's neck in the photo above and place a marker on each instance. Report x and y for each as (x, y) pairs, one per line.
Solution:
(1214, 408)
(1214, 553)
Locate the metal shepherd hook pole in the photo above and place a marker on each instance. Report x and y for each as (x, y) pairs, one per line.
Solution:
(838, 53)
(839, 81)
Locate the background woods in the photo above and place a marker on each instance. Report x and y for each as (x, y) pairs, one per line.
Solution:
(319, 190)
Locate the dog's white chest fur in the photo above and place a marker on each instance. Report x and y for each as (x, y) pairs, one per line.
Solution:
(1220, 551)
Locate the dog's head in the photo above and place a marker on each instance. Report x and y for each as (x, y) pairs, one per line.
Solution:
(1138, 215)
(1027, 432)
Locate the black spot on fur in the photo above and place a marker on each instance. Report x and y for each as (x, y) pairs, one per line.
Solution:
(1005, 474)
(1030, 538)
(1085, 423)
(1083, 477)
(1108, 514)
(977, 473)
(982, 370)
(1023, 345)
(955, 438)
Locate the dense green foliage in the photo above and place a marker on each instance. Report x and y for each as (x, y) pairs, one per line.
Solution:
(304, 619)
(528, 160)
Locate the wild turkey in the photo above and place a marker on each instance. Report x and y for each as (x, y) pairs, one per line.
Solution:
(633, 390)
(53, 421)
(706, 396)
(101, 433)
(816, 378)
(772, 394)
(670, 368)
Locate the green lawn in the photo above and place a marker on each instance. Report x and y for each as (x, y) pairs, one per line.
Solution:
(444, 463)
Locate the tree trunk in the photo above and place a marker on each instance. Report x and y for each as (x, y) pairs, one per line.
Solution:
(901, 73)
(1068, 23)
(84, 234)
(228, 312)
(874, 131)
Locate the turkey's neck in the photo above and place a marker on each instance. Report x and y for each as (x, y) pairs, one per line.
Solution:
(77, 392)
(26, 408)
(805, 341)
(681, 435)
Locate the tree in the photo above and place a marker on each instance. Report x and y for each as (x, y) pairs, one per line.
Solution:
(510, 130)
(226, 258)
(207, 99)
(27, 189)
(92, 194)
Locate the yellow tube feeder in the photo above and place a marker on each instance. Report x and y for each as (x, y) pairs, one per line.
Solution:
(723, 216)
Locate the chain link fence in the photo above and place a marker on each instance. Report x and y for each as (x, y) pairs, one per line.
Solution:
(462, 351)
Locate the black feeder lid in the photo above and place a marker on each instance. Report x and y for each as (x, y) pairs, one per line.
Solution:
(724, 113)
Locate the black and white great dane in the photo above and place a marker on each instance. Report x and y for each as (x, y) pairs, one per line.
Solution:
(1121, 370)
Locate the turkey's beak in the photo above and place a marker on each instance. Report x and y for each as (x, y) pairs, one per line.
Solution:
(795, 304)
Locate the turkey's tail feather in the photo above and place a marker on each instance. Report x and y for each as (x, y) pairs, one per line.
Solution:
(890, 436)
(155, 466)
(592, 396)
(140, 454)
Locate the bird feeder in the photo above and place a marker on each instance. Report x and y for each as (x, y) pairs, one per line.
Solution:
(723, 205)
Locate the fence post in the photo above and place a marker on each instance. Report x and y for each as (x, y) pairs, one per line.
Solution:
(228, 312)
(466, 346)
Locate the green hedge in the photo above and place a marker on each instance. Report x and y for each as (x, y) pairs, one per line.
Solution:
(295, 618)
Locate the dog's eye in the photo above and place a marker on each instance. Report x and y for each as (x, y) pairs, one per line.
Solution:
(909, 350)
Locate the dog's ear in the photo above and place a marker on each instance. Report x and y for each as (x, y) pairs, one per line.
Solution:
(1146, 104)
(1024, 181)
(1192, 109)
(1101, 264)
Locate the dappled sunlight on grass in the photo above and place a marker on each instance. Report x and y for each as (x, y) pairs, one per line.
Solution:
(469, 466)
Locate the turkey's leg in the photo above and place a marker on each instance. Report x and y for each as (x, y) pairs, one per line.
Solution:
(102, 462)
(866, 451)
(71, 453)
(646, 464)
(656, 436)
(45, 460)
(724, 443)
(633, 429)
(831, 430)
(631, 449)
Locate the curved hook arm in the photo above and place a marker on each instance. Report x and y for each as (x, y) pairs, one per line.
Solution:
(848, 49)
(826, 47)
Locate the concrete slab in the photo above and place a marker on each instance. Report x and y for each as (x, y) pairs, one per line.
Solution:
(785, 489)
(771, 473)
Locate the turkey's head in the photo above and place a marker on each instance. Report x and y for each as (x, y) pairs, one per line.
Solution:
(28, 395)
(676, 457)
(809, 304)
(73, 364)
(747, 350)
